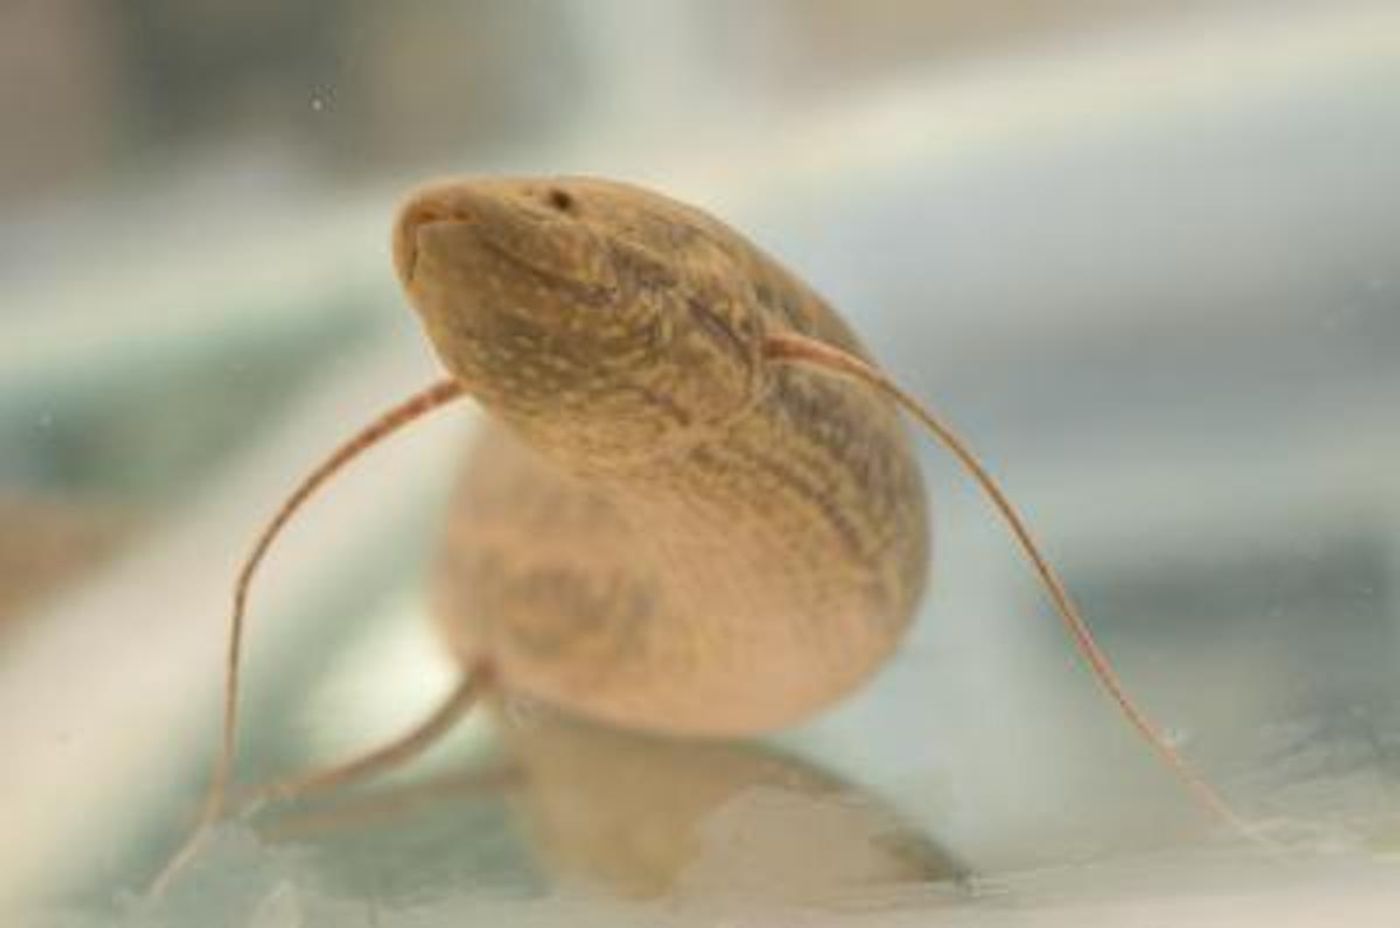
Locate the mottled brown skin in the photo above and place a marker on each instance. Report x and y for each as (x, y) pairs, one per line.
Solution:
(658, 528)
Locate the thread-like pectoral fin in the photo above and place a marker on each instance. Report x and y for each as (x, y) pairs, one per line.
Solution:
(390, 421)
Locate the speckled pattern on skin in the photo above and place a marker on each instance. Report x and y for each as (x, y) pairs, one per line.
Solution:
(658, 528)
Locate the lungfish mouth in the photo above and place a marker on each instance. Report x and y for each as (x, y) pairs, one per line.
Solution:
(588, 293)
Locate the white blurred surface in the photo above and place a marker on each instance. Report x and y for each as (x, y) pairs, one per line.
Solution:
(913, 204)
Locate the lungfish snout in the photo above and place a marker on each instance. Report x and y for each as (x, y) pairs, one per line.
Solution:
(425, 207)
(501, 228)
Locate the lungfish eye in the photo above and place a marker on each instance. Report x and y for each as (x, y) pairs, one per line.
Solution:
(561, 200)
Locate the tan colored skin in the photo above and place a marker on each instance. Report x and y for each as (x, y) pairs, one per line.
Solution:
(660, 528)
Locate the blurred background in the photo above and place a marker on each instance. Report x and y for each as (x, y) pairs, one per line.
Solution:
(1146, 256)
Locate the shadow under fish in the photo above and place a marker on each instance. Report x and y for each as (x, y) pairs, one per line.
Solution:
(595, 809)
